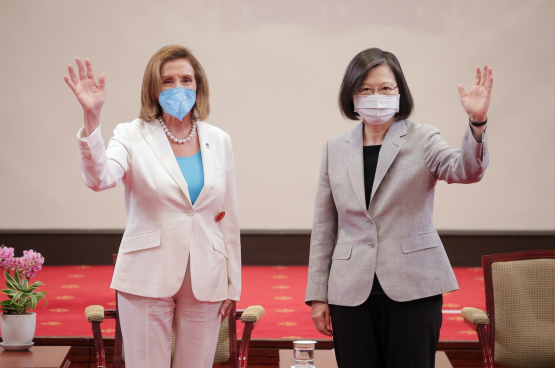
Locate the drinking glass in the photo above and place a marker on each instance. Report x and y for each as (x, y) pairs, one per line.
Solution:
(303, 354)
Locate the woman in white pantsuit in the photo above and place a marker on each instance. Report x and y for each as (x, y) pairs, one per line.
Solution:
(179, 262)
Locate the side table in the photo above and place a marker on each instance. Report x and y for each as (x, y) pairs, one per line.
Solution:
(36, 357)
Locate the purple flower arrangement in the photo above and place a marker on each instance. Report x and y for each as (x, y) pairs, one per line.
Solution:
(28, 265)
(23, 296)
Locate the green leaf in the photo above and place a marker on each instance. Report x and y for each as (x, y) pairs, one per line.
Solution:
(17, 296)
(10, 282)
(9, 285)
(17, 278)
(41, 295)
(9, 292)
(36, 284)
(10, 278)
(12, 286)
(9, 308)
(33, 287)
(19, 304)
(33, 302)
(21, 280)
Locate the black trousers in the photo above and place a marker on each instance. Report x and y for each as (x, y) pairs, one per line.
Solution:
(382, 333)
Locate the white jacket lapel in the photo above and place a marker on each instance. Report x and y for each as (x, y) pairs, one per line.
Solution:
(158, 142)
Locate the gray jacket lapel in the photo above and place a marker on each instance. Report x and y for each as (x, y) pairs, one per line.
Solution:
(356, 164)
(158, 142)
(391, 146)
(207, 147)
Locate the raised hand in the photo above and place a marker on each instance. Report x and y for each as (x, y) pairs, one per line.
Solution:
(89, 94)
(476, 102)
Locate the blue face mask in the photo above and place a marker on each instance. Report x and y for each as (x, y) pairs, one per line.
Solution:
(177, 101)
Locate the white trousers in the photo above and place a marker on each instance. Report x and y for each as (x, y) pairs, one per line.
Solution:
(147, 323)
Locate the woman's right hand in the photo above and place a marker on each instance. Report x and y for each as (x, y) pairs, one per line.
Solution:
(89, 94)
(321, 317)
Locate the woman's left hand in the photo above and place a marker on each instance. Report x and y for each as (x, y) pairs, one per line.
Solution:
(476, 103)
(226, 308)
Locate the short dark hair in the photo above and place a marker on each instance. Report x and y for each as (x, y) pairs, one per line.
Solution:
(355, 74)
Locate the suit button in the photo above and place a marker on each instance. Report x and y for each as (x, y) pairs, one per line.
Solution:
(372, 244)
(190, 213)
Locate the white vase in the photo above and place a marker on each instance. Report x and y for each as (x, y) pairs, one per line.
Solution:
(18, 329)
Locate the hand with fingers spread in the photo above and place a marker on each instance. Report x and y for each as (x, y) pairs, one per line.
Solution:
(476, 102)
(321, 317)
(89, 94)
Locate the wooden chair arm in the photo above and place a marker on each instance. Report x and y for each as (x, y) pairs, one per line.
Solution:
(97, 313)
(475, 316)
(252, 314)
(478, 320)
(245, 342)
(94, 313)
(250, 318)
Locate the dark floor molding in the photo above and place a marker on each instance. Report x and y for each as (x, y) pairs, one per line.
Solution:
(264, 247)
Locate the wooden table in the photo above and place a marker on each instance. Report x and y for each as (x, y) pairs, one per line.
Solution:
(326, 359)
(36, 357)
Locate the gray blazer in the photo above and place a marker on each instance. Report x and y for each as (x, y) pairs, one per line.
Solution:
(395, 237)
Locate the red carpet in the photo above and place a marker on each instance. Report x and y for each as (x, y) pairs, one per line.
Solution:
(279, 289)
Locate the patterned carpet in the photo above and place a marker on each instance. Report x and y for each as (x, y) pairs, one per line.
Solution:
(279, 289)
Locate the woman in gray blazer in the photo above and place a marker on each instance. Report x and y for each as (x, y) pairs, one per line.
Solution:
(377, 267)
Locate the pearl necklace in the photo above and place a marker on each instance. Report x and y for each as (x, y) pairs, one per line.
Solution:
(171, 136)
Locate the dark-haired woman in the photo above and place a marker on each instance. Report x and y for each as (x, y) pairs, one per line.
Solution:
(377, 267)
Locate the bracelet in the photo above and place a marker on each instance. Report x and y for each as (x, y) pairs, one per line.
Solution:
(478, 124)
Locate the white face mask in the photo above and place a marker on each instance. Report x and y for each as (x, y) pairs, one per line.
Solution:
(376, 109)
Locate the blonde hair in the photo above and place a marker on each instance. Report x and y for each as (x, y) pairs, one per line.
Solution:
(152, 84)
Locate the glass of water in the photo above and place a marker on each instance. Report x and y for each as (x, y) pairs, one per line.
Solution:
(304, 354)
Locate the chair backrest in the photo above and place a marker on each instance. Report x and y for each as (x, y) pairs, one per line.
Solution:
(520, 298)
(222, 348)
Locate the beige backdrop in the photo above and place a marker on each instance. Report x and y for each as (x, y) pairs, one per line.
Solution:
(274, 69)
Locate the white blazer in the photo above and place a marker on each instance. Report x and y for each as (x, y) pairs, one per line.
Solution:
(163, 229)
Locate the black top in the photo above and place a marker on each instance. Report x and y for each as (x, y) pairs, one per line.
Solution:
(371, 154)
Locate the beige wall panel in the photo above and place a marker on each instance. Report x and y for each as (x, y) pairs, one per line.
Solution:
(274, 69)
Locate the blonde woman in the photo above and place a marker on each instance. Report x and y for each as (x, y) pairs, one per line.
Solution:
(179, 262)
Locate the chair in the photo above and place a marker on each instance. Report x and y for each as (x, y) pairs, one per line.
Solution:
(518, 328)
(226, 350)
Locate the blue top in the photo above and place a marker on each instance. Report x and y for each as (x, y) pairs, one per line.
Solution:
(192, 170)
